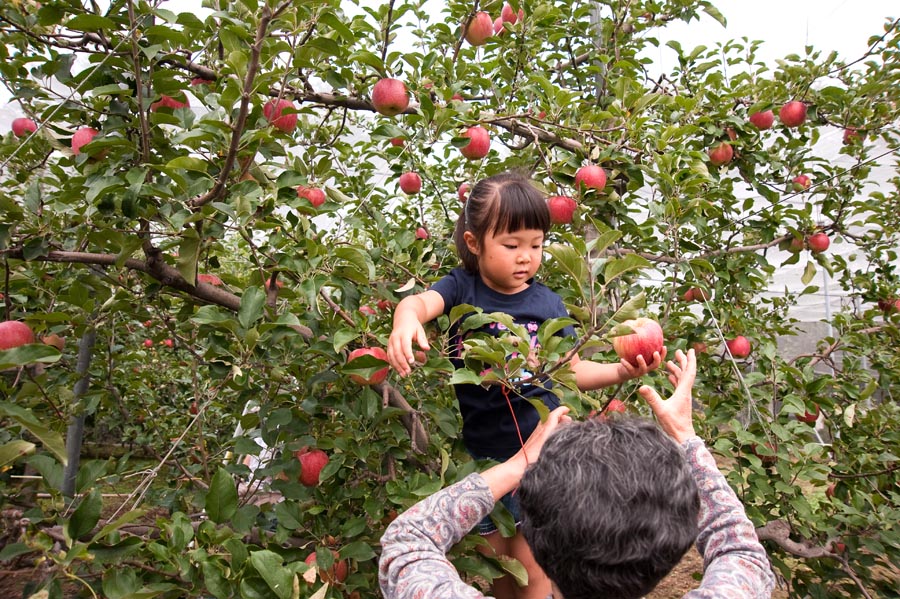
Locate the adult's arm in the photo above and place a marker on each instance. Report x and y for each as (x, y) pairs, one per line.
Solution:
(735, 564)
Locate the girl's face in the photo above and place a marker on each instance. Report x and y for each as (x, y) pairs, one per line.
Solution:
(507, 261)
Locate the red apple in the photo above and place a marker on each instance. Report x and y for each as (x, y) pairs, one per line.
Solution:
(22, 127)
(82, 137)
(148, 323)
(801, 183)
(201, 81)
(889, 305)
(398, 142)
(457, 97)
(311, 463)
(479, 143)
(367, 309)
(721, 154)
(389, 96)
(739, 347)
(590, 176)
(645, 340)
(148, 342)
(797, 245)
(463, 192)
(614, 406)
(851, 135)
(793, 114)
(54, 340)
(763, 120)
(561, 209)
(14, 333)
(169, 102)
(193, 409)
(830, 489)
(336, 573)
(168, 342)
(209, 280)
(273, 111)
(384, 304)
(818, 242)
(420, 356)
(376, 377)
(315, 195)
(421, 233)
(809, 417)
(509, 15)
(498, 26)
(695, 294)
(410, 183)
(479, 29)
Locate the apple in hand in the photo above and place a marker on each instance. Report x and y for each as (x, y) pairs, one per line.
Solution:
(14, 333)
(376, 377)
(590, 176)
(410, 183)
(389, 96)
(721, 154)
(22, 127)
(645, 340)
(273, 110)
(479, 143)
(763, 120)
(311, 463)
(562, 208)
(818, 242)
(793, 114)
(479, 29)
(739, 347)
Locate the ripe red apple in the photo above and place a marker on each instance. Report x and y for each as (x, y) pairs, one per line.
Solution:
(480, 28)
(193, 409)
(739, 347)
(22, 127)
(851, 136)
(213, 280)
(695, 294)
(148, 323)
(14, 333)
(169, 102)
(561, 209)
(376, 377)
(614, 406)
(389, 96)
(421, 233)
(479, 143)
(168, 342)
(273, 111)
(398, 142)
(509, 15)
(457, 97)
(830, 489)
(201, 81)
(793, 114)
(54, 340)
(721, 154)
(809, 417)
(590, 176)
(367, 309)
(315, 195)
(82, 137)
(410, 182)
(311, 463)
(148, 342)
(498, 26)
(818, 242)
(801, 183)
(463, 192)
(797, 245)
(645, 340)
(889, 305)
(384, 304)
(763, 120)
(336, 573)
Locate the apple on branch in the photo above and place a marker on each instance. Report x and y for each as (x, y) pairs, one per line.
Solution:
(762, 120)
(463, 192)
(336, 573)
(645, 339)
(22, 127)
(274, 113)
(377, 376)
(721, 154)
(739, 347)
(801, 183)
(410, 183)
(311, 463)
(314, 195)
(390, 96)
(14, 333)
(479, 143)
(793, 114)
(562, 208)
(590, 176)
(818, 242)
(479, 29)
(82, 137)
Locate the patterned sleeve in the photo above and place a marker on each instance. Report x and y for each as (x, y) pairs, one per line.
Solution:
(734, 562)
(413, 562)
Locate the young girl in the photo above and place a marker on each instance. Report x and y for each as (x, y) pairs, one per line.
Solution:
(500, 241)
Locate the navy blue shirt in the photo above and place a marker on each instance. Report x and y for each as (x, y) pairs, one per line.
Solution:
(489, 428)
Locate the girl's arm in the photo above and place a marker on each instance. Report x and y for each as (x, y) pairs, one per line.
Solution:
(594, 375)
(411, 314)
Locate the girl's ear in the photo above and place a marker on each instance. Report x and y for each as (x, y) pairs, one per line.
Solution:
(471, 242)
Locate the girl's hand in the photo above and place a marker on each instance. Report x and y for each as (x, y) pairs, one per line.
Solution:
(641, 368)
(407, 329)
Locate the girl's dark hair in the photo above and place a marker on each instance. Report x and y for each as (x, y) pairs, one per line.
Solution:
(504, 203)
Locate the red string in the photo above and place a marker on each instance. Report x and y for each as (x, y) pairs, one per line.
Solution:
(515, 420)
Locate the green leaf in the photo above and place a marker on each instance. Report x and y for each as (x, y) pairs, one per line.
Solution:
(358, 550)
(28, 354)
(14, 550)
(252, 303)
(129, 517)
(222, 497)
(570, 261)
(604, 240)
(809, 273)
(51, 440)
(515, 568)
(617, 267)
(120, 583)
(14, 450)
(631, 308)
(188, 254)
(188, 163)
(271, 567)
(90, 22)
(85, 516)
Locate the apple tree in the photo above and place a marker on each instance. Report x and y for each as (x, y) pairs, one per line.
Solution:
(206, 208)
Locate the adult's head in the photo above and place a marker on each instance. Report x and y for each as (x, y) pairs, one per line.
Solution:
(609, 507)
(504, 203)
